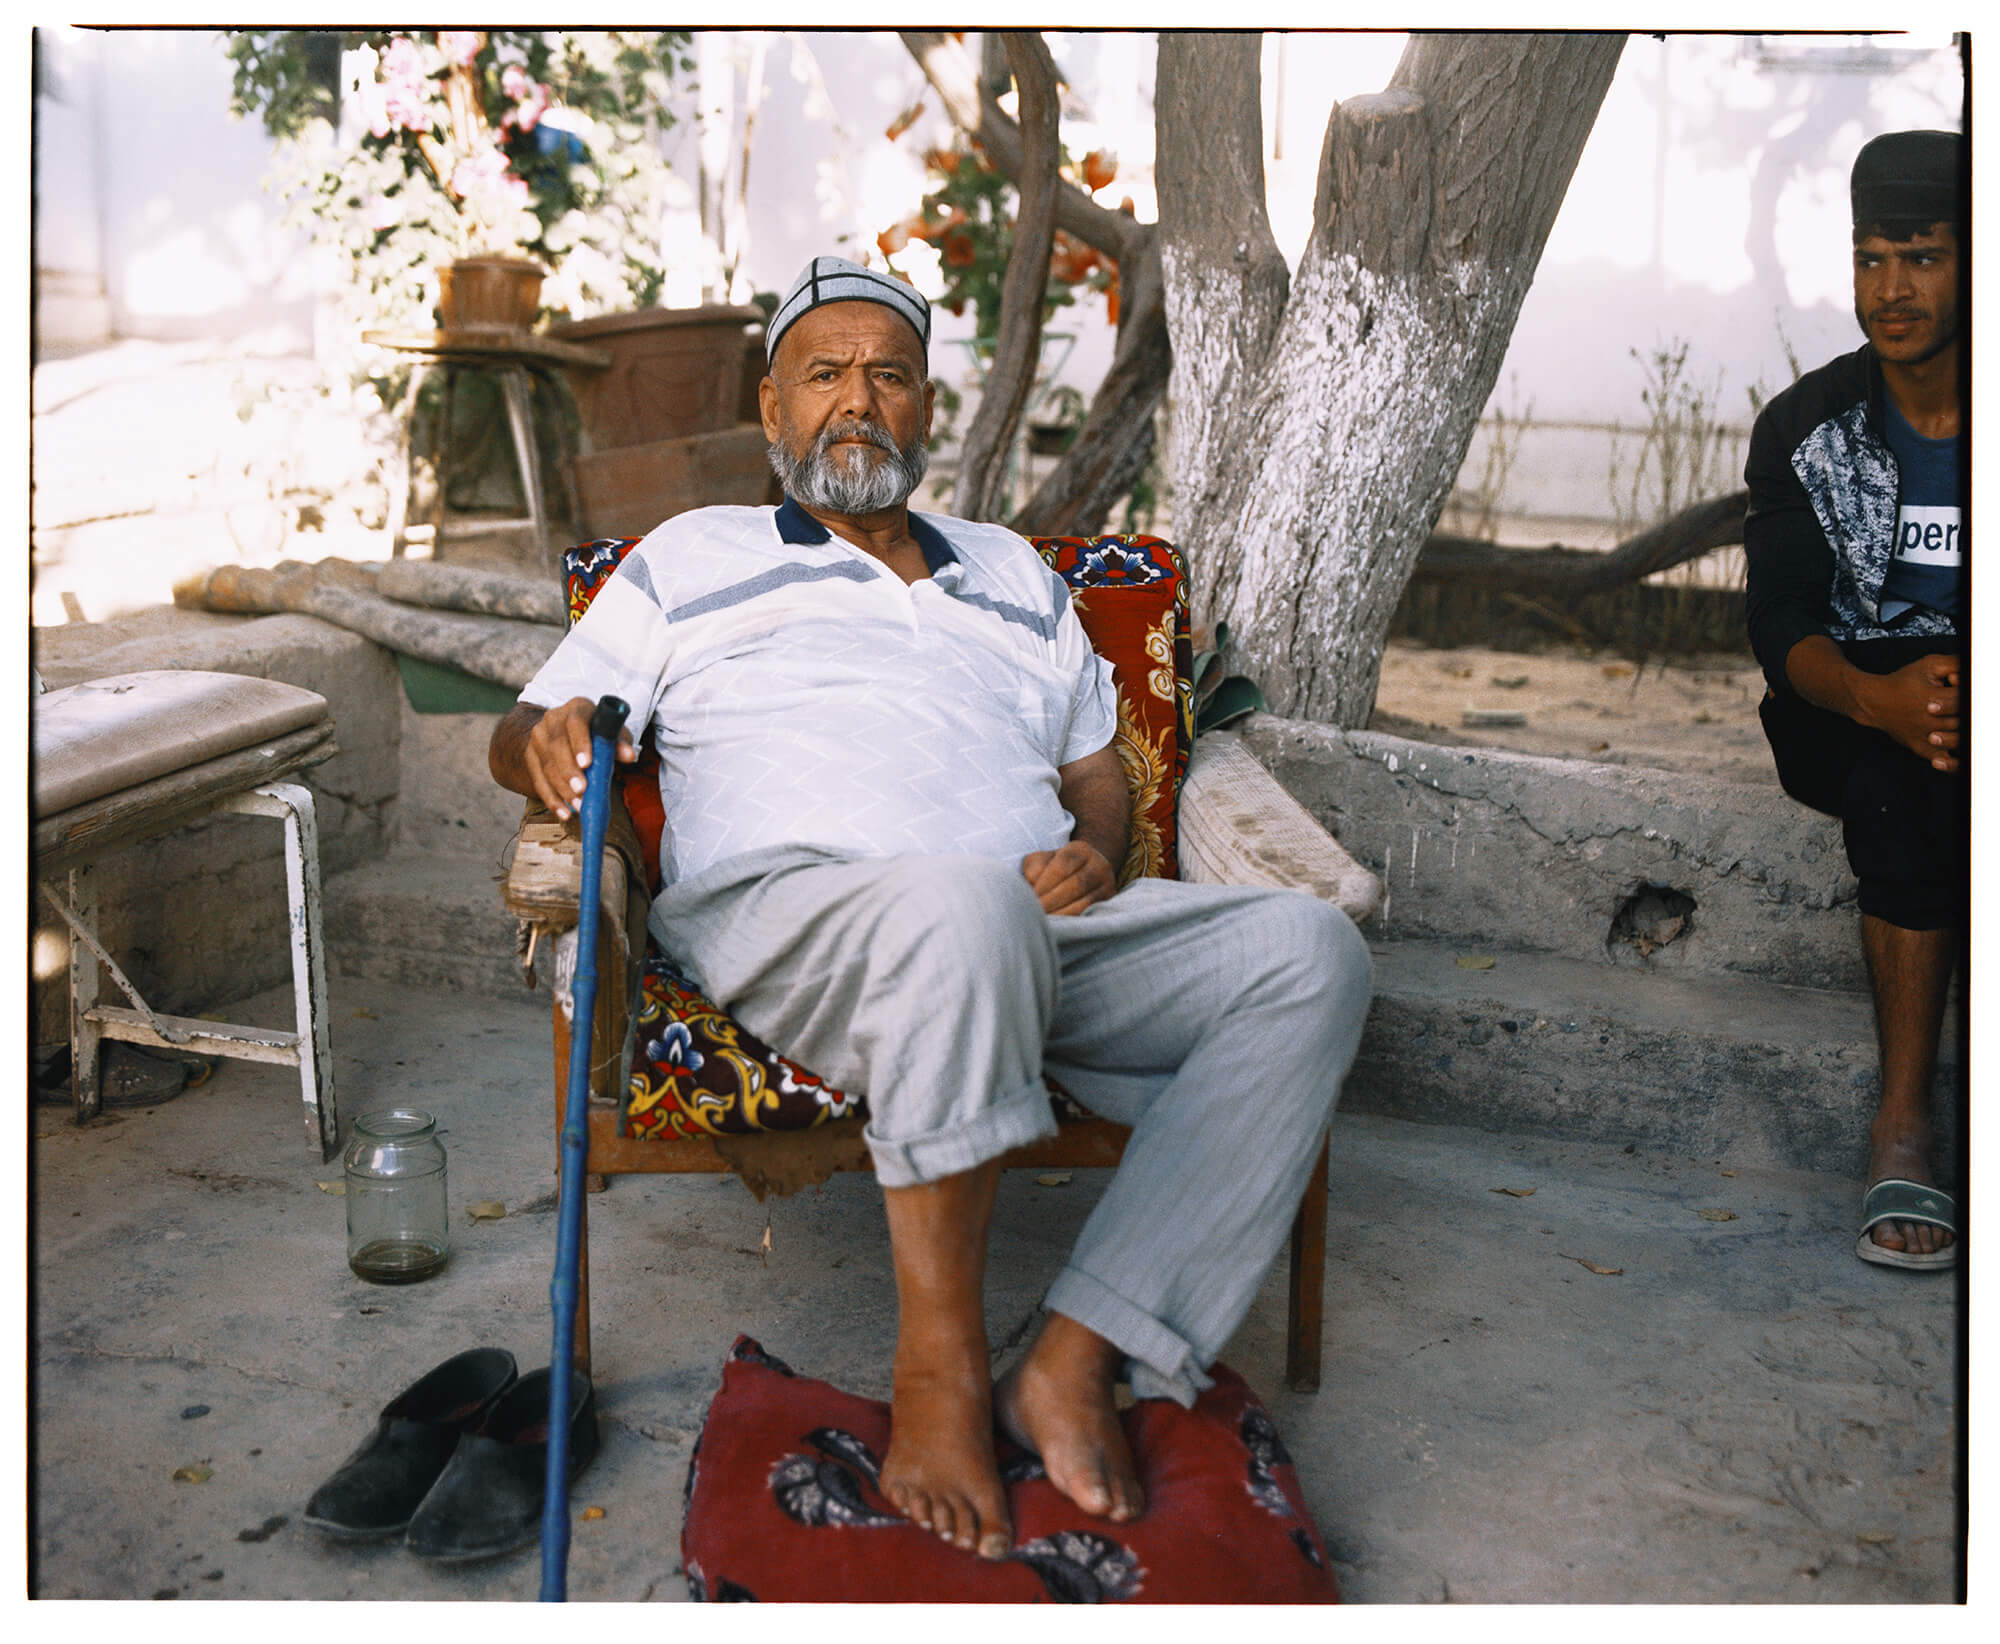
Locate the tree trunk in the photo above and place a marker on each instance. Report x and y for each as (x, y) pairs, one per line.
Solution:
(1314, 450)
(1017, 352)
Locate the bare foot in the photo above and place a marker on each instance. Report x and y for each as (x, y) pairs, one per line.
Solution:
(1908, 1158)
(940, 1471)
(1058, 1403)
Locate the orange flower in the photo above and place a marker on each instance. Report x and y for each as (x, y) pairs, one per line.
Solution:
(1111, 305)
(892, 240)
(1099, 167)
(959, 251)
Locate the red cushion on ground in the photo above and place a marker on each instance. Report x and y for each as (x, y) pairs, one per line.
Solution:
(782, 1506)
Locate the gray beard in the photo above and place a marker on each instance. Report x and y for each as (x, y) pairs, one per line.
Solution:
(849, 481)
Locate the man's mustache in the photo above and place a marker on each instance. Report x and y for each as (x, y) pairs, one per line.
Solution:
(857, 428)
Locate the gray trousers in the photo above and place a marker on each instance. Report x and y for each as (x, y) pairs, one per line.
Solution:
(1216, 1021)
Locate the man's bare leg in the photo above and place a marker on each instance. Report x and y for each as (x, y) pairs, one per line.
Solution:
(1910, 971)
(1058, 1401)
(941, 1470)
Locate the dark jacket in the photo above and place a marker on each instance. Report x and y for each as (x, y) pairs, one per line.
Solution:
(1822, 520)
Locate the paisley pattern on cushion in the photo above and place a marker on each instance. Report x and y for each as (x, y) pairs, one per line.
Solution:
(784, 1503)
(698, 1071)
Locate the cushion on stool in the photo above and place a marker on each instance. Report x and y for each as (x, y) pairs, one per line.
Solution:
(782, 1504)
(106, 735)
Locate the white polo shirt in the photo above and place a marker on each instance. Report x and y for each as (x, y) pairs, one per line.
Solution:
(801, 693)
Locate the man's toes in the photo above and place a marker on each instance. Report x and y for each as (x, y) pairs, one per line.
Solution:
(1890, 1236)
(944, 1519)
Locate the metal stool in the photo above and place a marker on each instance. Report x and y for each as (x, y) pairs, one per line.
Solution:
(516, 360)
(125, 759)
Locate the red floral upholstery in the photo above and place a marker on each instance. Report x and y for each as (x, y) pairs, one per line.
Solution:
(695, 1069)
(783, 1504)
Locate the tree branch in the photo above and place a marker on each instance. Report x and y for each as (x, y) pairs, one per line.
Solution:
(955, 78)
(1112, 448)
(982, 471)
(1466, 562)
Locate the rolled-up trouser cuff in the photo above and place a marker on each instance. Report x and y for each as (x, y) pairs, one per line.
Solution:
(1159, 1363)
(1014, 1120)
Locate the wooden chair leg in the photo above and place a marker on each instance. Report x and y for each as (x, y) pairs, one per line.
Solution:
(1306, 1312)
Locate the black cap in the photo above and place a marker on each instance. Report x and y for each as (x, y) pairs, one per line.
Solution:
(1907, 180)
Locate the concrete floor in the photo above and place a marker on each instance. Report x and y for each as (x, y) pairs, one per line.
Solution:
(1742, 1413)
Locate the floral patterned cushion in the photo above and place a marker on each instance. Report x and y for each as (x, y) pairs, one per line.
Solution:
(695, 1069)
(783, 1504)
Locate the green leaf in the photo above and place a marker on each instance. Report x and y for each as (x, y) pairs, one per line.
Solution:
(1230, 701)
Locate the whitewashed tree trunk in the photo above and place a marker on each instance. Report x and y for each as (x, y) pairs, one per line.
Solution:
(1317, 429)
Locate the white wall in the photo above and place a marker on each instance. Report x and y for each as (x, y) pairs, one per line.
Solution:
(144, 182)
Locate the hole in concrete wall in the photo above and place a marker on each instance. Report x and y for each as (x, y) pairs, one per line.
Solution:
(1650, 918)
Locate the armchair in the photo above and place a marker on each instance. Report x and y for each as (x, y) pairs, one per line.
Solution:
(677, 1085)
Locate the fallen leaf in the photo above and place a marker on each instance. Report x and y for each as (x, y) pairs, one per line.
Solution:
(197, 1474)
(1729, 1173)
(1716, 1215)
(764, 1249)
(337, 1189)
(592, 1514)
(1706, 718)
(1600, 747)
(487, 1210)
(1510, 682)
(1607, 1272)
(366, 1311)
(1475, 961)
(1514, 1192)
(1055, 1178)
(364, 1013)
(1618, 670)
(1875, 1538)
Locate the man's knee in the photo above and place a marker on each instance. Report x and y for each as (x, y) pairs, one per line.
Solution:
(1313, 947)
(955, 920)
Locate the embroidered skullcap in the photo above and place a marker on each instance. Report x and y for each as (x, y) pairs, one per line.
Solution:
(836, 280)
(1907, 178)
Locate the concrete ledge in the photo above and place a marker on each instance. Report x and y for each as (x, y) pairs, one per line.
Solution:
(1478, 845)
(1757, 1073)
(425, 920)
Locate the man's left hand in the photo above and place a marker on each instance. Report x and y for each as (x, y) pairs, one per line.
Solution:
(1070, 879)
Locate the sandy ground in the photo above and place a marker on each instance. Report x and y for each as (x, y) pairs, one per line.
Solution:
(1687, 714)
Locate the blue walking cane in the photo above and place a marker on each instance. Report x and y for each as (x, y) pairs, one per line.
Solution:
(605, 721)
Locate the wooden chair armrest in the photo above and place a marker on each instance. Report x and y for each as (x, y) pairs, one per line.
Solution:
(545, 878)
(1238, 826)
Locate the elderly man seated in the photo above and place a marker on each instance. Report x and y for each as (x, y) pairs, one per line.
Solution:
(893, 809)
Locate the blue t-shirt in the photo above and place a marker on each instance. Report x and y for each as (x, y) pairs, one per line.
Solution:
(1930, 535)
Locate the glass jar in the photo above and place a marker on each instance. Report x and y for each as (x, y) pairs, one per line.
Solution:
(398, 1229)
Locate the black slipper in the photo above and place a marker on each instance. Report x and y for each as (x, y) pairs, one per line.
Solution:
(376, 1491)
(489, 1500)
(131, 1076)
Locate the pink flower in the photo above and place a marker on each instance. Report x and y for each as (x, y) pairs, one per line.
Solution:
(484, 183)
(403, 88)
(460, 45)
(531, 99)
